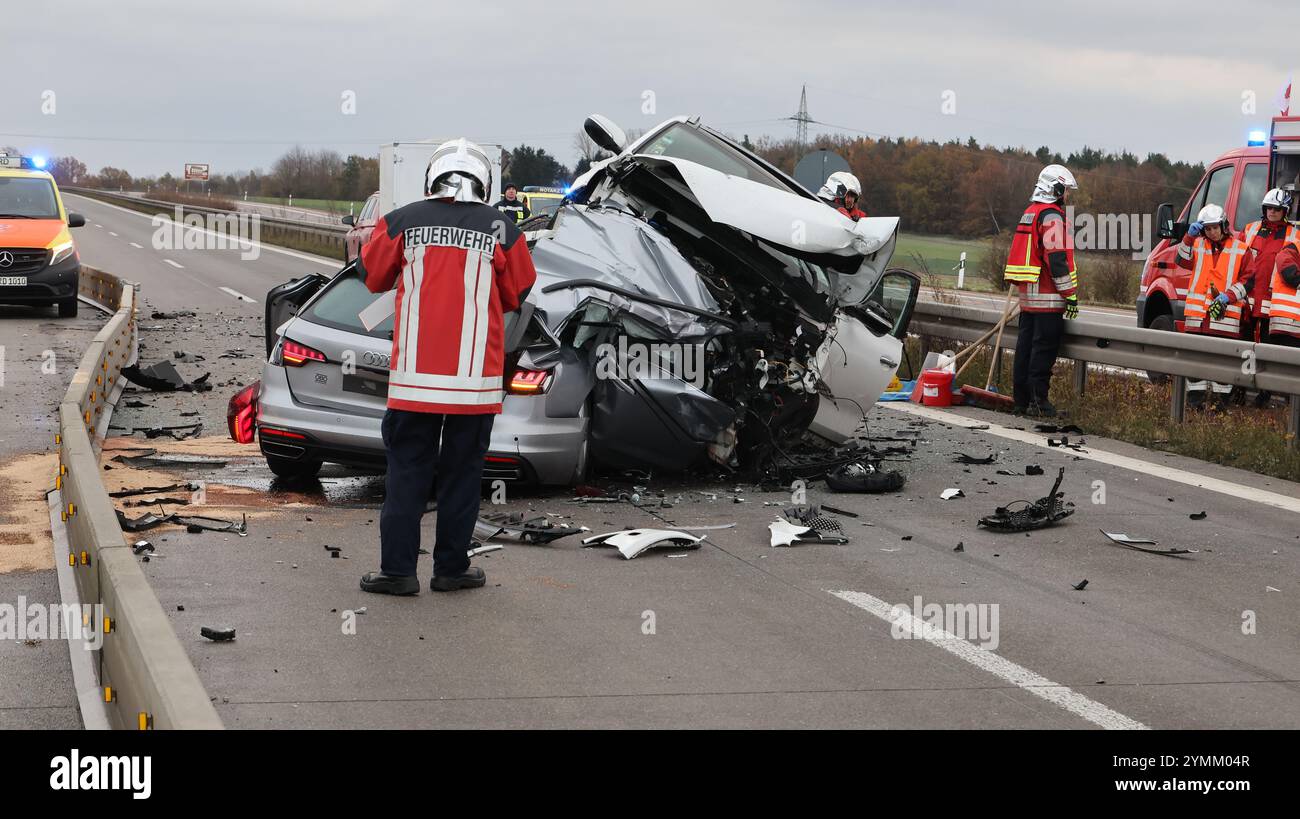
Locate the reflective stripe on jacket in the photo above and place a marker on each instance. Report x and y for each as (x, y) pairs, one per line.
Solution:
(458, 268)
(1041, 261)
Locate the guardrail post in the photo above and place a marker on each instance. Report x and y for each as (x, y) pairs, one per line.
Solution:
(1080, 376)
(1292, 420)
(1178, 398)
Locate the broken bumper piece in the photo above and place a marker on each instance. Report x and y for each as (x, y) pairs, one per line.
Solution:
(633, 542)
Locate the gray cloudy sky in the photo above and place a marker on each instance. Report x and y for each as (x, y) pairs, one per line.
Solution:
(150, 85)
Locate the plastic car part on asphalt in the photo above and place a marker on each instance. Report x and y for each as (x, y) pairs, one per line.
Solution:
(633, 542)
(785, 533)
(1046, 511)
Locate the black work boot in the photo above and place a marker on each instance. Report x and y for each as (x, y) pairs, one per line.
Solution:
(380, 583)
(471, 578)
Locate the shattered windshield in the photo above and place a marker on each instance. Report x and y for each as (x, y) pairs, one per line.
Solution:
(685, 142)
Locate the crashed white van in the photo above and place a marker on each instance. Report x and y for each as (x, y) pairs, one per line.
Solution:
(694, 307)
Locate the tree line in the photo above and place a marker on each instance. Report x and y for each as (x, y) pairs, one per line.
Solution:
(952, 188)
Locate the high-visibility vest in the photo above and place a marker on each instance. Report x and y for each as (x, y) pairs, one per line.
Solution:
(1027, 264)
(1248, 235)
(1220, 271)
(1284, 312)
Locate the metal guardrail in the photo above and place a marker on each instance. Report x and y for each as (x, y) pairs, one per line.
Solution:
(145, 676)
(330, 234)
(1184, 356)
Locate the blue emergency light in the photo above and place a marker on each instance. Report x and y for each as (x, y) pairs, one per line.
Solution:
(1257, 138)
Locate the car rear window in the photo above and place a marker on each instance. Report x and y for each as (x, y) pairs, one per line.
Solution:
(342, 300)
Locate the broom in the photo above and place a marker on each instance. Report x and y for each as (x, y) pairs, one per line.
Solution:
(989, 398)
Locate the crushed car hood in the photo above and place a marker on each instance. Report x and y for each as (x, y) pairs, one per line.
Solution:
(620, 250)
(794, 222)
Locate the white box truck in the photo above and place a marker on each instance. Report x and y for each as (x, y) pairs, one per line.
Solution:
(402, 166)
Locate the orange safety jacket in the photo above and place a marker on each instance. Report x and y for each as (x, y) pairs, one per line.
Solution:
(1214, 270)
(1041, 261)
(1264, 242)
(1284, 312)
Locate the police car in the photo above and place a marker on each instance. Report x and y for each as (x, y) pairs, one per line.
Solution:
(38, 260)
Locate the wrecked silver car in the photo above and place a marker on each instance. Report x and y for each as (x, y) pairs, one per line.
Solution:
(694, 307)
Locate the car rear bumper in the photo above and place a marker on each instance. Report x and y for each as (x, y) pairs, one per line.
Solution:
(526, 447)
(46, 286)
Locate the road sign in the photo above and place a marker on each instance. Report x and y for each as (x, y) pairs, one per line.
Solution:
(812, 170)
(195, 170)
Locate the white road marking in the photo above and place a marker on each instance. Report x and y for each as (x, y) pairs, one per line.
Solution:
(234, 243)
(111, 233)
(140, 247)
(174, 264)
(237, 295)
(99, 226)
(1169, 473)
(995, 664)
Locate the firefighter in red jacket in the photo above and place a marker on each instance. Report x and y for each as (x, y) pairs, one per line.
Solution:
(1216, 259)
(1284, 303)
(1041, 264)
(459, 265)
(1263, 239)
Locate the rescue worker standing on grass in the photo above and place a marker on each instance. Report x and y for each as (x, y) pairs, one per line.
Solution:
(459, 266)
(1041, 264)
(1216, 259)
(1264, 240)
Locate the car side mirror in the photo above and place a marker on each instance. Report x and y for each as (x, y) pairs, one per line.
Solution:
(76, 220)
(605, 133)
(348, 220)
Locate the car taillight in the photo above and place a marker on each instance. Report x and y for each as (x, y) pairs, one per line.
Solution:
(293, 354)
(241, 414)
(529, 382)
(272, 432)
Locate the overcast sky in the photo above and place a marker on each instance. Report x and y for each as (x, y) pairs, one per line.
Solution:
(150, 85)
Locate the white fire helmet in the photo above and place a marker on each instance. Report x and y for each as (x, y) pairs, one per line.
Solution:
(459, 170)
(838, 184)
(1277, 198)
(1213, 215)
(1052, 182)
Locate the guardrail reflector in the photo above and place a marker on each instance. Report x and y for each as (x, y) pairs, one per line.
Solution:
(108, 693)
(108, 624)
(72, 560)
(145, 720)
(85, 558)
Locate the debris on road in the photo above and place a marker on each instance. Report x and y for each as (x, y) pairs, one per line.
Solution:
(217, 635)
(860, 476)
(1033, 469)
(633, 542)
(164, 377)
(192, 523)
(949, 494)
(173, 315)
(1046, 511)
(1138, 544)
(486, 548)
(1065, 442)
(812, 517)
(141, 546)
(960, 547)
(149, 490)
(537, 529)
(150, 457)
(963, 458)
(1081, 585)
(1068, 429)
(785, 533)
(1198, 515)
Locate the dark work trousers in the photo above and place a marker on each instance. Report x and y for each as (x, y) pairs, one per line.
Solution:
(422, 447)
(1036, 348)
